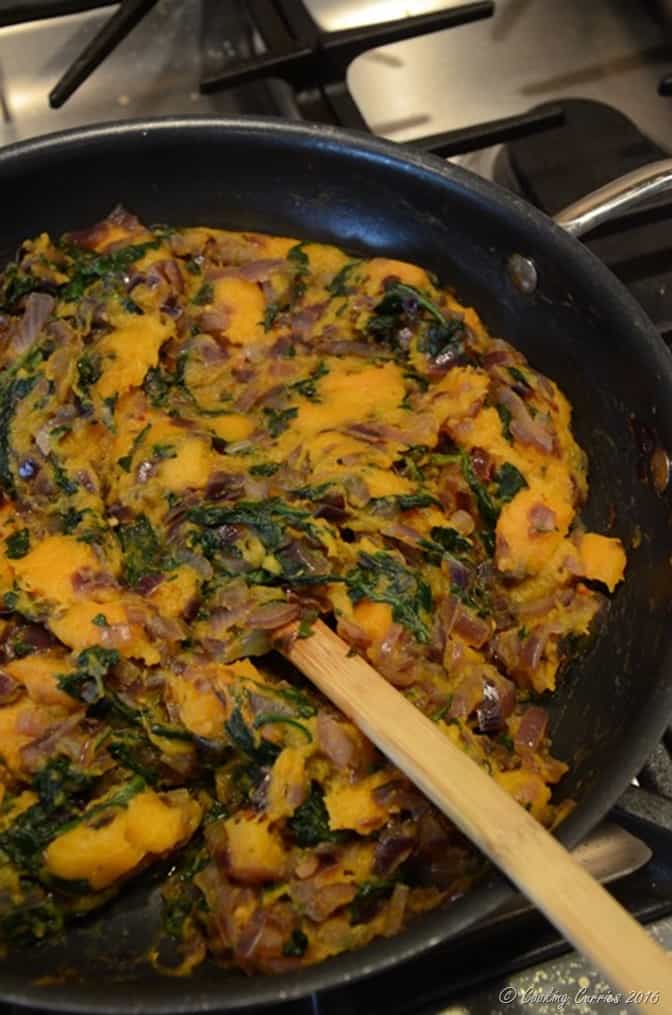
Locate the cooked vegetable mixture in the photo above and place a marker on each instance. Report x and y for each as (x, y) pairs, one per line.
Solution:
(205, 437)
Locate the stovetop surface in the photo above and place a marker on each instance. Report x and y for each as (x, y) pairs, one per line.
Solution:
(602, 61)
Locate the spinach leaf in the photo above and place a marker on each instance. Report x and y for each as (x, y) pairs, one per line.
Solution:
(366, 903)
(88, 371)
(126, 461)
(383, 578)
(488, 509)
(300, 264)
(277, 420)
(142, 554)
(520, 378)
(506, 483)
(296, 944)
(506, 417)
(340, 283)
(16, 283)
(205, 294)
(264, 469)
(31, 917)
(63, 480)
(309, 824)
(269, 518)
(59, 787)
(70, 519)
(88, 267)
(444, 540)
(306, 386)
(86, 683)
(18, 544)
(12, 390)
(407, 501)
(259, 750)
(509, 482)
(273, 719)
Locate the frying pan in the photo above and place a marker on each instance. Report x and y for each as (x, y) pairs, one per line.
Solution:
(566, 312)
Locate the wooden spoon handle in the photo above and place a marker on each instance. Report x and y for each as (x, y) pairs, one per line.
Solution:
(522, 848)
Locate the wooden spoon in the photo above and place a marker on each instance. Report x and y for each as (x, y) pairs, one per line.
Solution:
(522, 848)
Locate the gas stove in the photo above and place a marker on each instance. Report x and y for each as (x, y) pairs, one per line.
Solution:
(549, 99)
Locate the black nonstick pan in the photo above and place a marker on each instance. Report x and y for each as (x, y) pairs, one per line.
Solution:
(535, 285)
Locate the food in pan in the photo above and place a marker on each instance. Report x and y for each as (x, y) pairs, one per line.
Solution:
(206, 436)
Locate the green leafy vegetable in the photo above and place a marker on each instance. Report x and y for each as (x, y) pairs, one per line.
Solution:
(296, 945)
(505, 416)
(126, 461)
(306, 386)
(383, 578)
(87, 682)
(88, 371)
(444, 540)
(370, 896)
(142, 554)
(70, 519)
(309, 823)
(340, 283)
(509, 482)
(259, 750)
(264, 469)
(269, 518)
(89, 267)
(12, 390)
(63, 480)
(17, 545)
(205, 294)
(275, 719)
(277, 420)
(407, 501)
(60, 787)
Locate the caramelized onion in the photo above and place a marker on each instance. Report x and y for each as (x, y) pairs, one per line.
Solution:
(532, 730)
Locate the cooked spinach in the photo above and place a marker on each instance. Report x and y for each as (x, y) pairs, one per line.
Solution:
(368, 900)
(340, 283)
(509, 481)
(309, 823)
(296, 944)
(306, 386)
(406, 501)
(269, 518)
(88, 371)
(60, 788)
(273, 719)
(87, 267)
(277, 420)
(126, 461)
(205, 295)
(142, 555)
(264, 469)
(12, 390)
(16, 283)
(257, 749)
(506, 417)
(506, 482)
(62, 480)
(86, 683)
(383, 578)
(17, 545)
(444, 540)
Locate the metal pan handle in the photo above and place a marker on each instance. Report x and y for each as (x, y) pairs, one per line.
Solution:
(609, 201)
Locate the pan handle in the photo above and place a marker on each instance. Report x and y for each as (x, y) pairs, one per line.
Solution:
(609, 201)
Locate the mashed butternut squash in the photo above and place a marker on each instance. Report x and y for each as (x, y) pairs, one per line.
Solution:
(204, 436)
